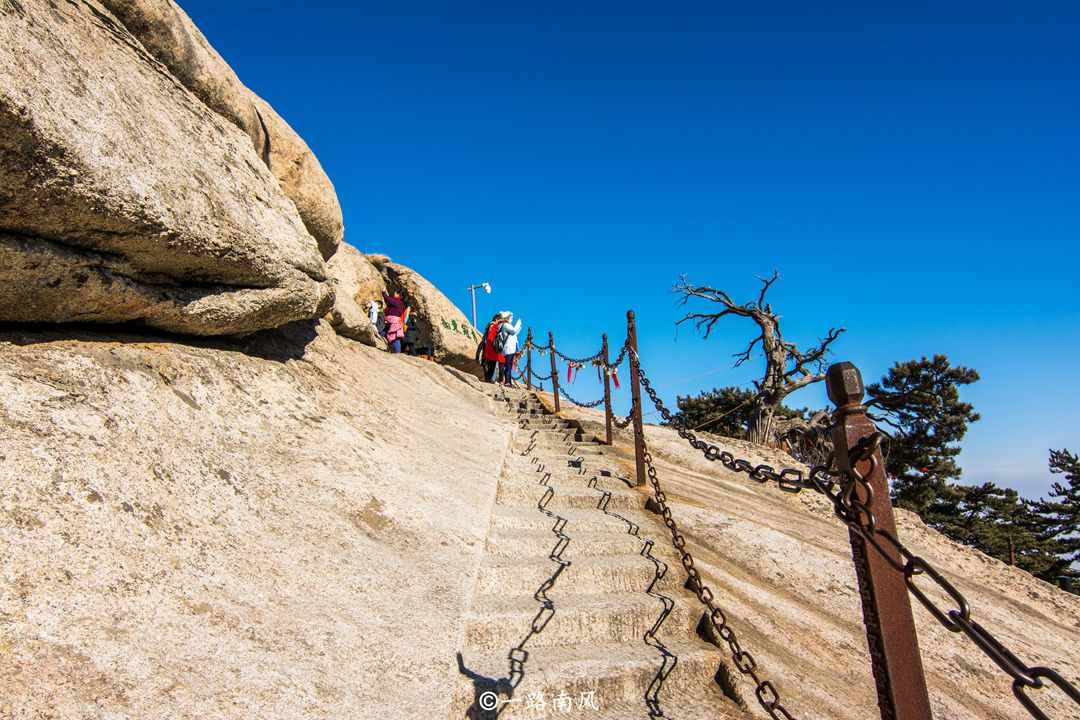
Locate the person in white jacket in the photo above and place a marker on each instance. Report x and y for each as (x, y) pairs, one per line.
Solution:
(507, 344)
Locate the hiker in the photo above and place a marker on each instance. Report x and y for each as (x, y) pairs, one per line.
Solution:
(486, 353)
(506, 342)
(412, 336)
(395, 316)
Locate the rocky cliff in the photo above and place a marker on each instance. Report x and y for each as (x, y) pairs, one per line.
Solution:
(219, 498)
(297, 525)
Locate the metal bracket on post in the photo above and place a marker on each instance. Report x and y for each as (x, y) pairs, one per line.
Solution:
(635, 391)
(607, 389)
(554, 371)
(890, 627)
(528, 360)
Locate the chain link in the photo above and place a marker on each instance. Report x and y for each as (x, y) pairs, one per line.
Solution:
(562, 391)
(857, 515)
(767, 694)
(580, 361)
(622, 355)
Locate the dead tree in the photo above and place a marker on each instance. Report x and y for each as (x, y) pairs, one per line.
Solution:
(787, 368)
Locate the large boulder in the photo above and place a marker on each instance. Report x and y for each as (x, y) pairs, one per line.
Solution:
(123, 197)
(166, 31)
(441, 326)
(356, 284)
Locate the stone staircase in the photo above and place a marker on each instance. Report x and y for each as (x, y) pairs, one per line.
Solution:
(578, 609)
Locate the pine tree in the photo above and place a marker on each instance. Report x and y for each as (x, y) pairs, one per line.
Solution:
(1058, 521)
(995, 520)
(728, 411)
(920, 401)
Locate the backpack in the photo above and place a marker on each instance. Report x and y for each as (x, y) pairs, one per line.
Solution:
(500, 339)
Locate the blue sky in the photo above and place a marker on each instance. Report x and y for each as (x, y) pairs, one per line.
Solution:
(910, 170)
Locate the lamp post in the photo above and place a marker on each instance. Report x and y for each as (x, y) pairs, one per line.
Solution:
(472, 290)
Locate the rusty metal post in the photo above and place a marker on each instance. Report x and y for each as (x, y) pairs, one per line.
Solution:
(635, 392)
(607, 389)
(554, 371)
(528, 360)
(890, 628)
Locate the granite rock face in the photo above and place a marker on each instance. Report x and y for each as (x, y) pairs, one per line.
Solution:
(125, 198)
(190, 530)
(356, 284)
(442, 327)
(166, 31)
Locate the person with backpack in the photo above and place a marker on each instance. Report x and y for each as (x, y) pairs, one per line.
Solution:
(506, 343)
(486, 354)
(395, 316)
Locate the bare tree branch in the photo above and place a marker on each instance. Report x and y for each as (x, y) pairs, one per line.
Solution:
(745, 355)
(787, 369)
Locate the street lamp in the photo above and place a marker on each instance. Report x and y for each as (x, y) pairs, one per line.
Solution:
(473, 289)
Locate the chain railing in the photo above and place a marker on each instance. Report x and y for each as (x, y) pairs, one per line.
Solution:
(852, 479)
(851, 496)
(579, 361)
(767, 694)
(568, 396)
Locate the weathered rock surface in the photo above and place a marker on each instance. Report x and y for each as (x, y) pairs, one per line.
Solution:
(313, 528)
(442, 326)
(303, 179)
(192, 531)
(169, 35)
(124, 198)
(356, 283)
(780, 565)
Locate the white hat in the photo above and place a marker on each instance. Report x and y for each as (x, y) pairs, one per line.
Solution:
(506, 314)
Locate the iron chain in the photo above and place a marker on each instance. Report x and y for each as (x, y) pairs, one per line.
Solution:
(580, 361)
(562, 391)
(767, 694)
(622, 355)
(856, 514)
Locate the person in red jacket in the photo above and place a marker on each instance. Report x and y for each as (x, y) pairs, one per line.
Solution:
(492, 358)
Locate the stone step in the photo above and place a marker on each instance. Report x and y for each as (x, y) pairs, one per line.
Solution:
(508, 517)
(617, 676)
(564, 466)
(708, 703)
(546, 432)
(534, 543)
(585, 574)
(565, 495)
(562, 483)
(496, 622)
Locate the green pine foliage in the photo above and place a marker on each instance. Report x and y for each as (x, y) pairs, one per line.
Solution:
(726, 411)
(920, 401)
(1059, 521)
(998, 522)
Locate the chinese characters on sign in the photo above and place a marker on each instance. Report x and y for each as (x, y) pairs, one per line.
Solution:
(463, 329)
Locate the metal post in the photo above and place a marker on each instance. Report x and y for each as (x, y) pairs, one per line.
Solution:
(607, 390)
(554, 371)
(528, 360)
(635, 391)
(890, 628)
(472, 291)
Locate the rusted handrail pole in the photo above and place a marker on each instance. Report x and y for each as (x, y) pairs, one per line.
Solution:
(554, 371)
(635, 391)
(607, 389)
(890, 628)
(528, 360)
